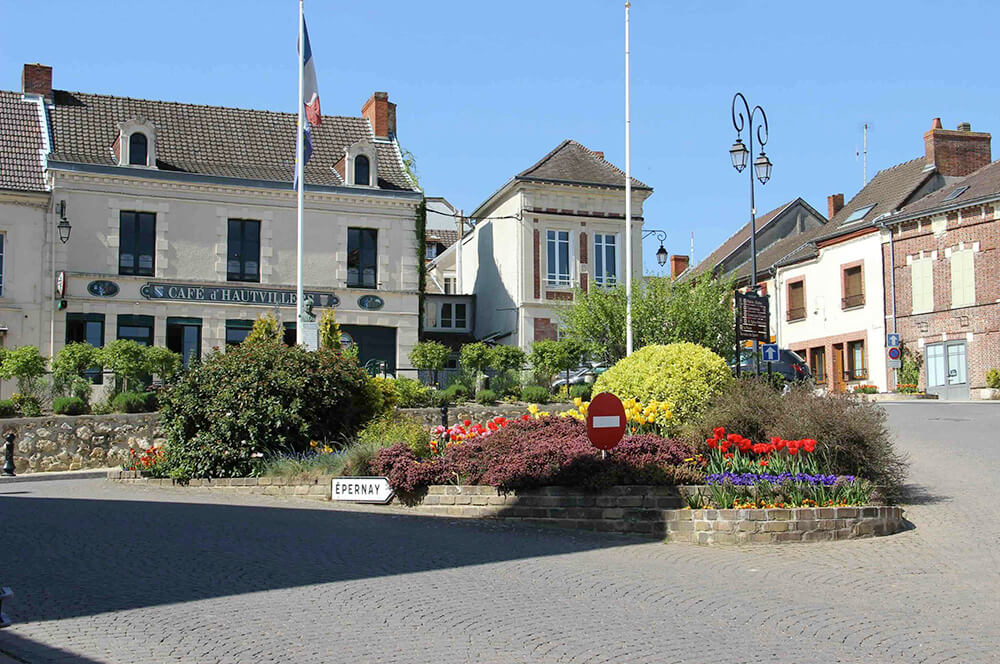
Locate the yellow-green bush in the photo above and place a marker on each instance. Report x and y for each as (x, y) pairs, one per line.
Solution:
(685, 375)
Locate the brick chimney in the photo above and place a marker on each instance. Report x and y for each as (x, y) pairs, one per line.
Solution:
(36, 79)
(678, 264)
(381, 113)
(834, 203)
(956, 152)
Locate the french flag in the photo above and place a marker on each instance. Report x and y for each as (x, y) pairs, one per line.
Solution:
(310, 91)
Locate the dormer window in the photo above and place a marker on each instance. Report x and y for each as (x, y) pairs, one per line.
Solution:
(138, 149)
(362, 170)
(361, 162)
(136, 143)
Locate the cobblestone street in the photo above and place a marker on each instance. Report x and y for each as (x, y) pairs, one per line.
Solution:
(113, 573)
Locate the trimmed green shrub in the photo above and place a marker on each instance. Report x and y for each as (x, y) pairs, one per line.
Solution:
(535, 394)
(7, 408)
(68, 367)
(69, 406)
(486, 397)
(163, 362)
(581, 391)
(133, 402)
(476, 358)
(27, 405)
(329, 330)
(413, 393)
(386, 395)
(456, 392)
(685, 375)
(993, 379)
(265, 328)
(261, 398)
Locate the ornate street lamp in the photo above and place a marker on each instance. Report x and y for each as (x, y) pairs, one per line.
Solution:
(64, 231)
(661, 253)
(744, 117)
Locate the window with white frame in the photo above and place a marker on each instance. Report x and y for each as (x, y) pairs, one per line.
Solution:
(449, 285)
(557, 245)
(605, 259)
(922, 285)
(453, 315)
(963, 278)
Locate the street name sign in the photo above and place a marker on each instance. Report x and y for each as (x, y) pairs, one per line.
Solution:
(361, 489)
(770, 352)
(605, 421)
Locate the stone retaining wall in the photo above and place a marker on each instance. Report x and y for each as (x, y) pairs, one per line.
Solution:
(478, 413)
(75, 442)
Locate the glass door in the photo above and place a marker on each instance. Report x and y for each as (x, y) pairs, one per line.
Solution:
(947, 370)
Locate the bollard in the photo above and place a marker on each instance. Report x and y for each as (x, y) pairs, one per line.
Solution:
(8, 456)
(444, 415)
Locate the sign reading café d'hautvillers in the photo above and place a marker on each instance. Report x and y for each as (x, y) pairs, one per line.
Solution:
(268, 297)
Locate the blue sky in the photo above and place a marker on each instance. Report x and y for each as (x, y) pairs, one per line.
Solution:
(486, 89)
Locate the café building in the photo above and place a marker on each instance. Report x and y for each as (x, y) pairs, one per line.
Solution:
(182, 223)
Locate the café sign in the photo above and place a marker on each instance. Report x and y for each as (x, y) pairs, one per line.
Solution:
(269, 297)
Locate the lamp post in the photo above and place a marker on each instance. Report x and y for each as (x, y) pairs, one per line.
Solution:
(63, 228)
(744, 118)
(661, 253)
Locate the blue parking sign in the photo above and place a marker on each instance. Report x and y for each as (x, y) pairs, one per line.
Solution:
(769, 352)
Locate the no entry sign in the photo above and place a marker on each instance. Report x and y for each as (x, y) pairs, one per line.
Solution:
(605, 421)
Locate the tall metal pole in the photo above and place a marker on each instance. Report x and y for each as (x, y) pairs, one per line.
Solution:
(300, 179)
(628, 195)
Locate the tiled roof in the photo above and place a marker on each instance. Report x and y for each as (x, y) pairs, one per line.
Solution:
(735, 242)
(445, 237)
(981, 184)
(888, 191)
(572, 162)
(21, 144)
(215, 140)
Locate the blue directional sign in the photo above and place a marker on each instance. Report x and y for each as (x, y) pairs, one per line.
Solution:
(892, 340)
(769, 352)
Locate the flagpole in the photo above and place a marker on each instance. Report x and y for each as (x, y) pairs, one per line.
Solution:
(628, 195)
(300, 179)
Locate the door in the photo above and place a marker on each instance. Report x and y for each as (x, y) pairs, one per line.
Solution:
(947, 370)
(839, 385)
(376, 345)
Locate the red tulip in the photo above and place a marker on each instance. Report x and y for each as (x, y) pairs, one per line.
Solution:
(719, 432)
(712, 442)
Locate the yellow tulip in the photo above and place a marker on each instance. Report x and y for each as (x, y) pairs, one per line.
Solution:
(577, 402)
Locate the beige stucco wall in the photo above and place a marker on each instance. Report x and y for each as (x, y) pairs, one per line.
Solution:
(191, 231)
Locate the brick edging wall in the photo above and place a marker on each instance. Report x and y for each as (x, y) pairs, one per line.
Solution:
(772, 526)
(314, 489)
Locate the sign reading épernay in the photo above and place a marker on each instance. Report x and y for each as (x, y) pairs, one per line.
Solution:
(361, 489)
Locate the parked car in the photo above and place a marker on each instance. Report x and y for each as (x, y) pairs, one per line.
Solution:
(585, 374)
(789, 366)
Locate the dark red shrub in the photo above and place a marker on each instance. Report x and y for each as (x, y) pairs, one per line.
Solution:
(552, 451)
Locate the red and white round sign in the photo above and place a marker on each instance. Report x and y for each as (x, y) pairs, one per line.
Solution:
(605, 421)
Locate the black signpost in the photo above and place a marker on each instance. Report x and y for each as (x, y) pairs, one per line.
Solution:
(753, 323)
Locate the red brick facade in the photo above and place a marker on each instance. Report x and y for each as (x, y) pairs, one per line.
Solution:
(545, 330)
(974, 228)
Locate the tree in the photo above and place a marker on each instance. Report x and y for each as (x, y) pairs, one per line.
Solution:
(127, 360)
(163, 362)
(430, 356)
(663, 311)
(329, 330)
(265, 328)
(25, 364)
(475, 356)
(69, 366)
(552, 357)
(507, 361)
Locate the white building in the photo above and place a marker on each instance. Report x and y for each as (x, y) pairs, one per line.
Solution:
(553, 227)
(183, 224)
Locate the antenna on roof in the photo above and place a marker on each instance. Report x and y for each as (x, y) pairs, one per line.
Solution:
(691, 262)
(864, 155)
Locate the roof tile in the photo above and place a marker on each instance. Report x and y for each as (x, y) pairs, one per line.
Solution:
(21, 144)
(572, 162)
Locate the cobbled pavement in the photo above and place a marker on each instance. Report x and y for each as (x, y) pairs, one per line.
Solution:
(115, 573)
